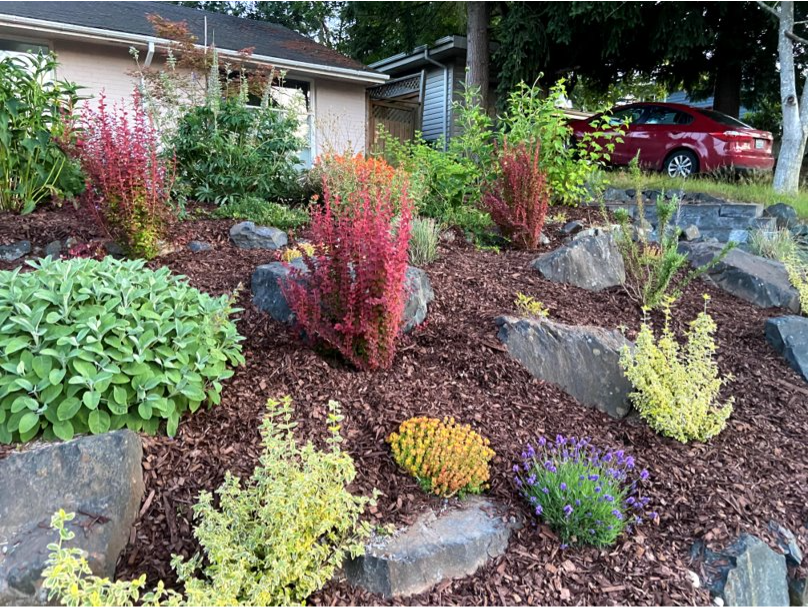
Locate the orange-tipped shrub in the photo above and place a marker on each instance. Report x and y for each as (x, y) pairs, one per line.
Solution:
(447, 458)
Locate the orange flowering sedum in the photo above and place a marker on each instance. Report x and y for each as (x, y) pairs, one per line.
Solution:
(447, 458)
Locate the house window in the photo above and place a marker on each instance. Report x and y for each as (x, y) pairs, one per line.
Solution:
(295, 96)
(15, 47)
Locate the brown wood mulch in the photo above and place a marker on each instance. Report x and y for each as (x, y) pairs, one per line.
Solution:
(454, 365)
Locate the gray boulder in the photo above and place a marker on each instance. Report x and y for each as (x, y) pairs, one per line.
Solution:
(583, 360)
(593, 263)
(434, 549)
(268, 295)
(691, 233)
(785, 215)
(53, 249)
(748, 573)
(9, 253)
(758, 280)
(789, 337)
(572, 227)
(197, 246)
(616, 195)
(787, 541)
(98, 477)
(246, 235)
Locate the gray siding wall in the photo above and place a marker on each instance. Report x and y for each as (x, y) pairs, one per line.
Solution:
(434, 117)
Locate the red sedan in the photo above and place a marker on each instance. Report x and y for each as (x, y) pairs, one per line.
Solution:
(681, 140)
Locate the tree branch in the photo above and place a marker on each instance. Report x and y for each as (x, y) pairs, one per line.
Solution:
(792, 36)
(768, 8)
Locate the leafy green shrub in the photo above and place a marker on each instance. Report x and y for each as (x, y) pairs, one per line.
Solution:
(424, 236)
(272, 542)
(226, 150)
(529, 306)
(93, 345)
(33, 108)
(264, 213)
(677, 387)
(653, 269)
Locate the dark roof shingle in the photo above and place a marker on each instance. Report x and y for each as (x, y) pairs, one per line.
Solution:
(232, 33)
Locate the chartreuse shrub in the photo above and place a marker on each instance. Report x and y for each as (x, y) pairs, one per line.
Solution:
(529, 306)
(447, 458)
(89, 345)
(676, 387)
(585, 495)
(293, 253)
(271, 542)
(798, 275)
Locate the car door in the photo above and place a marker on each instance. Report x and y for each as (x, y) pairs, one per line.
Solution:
(663, 129)
(633, 115)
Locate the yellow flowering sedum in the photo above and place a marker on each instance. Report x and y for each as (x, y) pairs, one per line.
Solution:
(293, 253)
(798, 275)
(447, 458)
(274, 541)
(676, 387)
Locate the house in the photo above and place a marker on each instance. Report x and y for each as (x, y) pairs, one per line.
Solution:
(423, 84)
(92, 42)
(706, 103)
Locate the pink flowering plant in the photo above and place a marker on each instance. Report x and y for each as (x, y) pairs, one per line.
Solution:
(585, 495)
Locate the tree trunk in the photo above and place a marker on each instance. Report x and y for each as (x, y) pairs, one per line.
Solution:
(795, 118)
(477, 56)
(728, 61)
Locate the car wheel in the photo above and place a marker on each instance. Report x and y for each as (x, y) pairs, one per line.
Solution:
(682, 163)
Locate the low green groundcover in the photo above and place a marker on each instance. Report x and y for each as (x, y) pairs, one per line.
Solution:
(94, 346)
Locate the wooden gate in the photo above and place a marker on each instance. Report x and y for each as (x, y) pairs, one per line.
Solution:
(395, 106)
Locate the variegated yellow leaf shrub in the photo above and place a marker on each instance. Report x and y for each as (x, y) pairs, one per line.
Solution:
(292, 253)
(530, 306)
(273, 541)
(447, 458)
(677, 386)
(798, 275)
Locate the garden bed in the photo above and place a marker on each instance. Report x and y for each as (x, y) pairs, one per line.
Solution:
(454, 365)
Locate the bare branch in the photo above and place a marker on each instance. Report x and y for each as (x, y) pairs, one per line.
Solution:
(768, 8)
(795, 38)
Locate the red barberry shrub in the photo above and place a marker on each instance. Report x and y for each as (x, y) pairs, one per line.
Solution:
(518, 198)
(128, 180)
(352, 295)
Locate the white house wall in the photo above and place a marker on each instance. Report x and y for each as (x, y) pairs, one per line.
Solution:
(340, 111)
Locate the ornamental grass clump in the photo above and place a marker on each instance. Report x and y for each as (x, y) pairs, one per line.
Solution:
(88, 345)
(445, 457)
(270, 542)
(676, 387)
(424, 241)
(587, 496)
(352, 292)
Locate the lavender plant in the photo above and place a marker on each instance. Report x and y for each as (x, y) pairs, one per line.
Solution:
(585, 495)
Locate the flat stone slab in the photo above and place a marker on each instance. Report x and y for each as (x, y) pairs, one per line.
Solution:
(268, 294)
(97, 477)
(592, 262)
(758, 280)
(435, 548)
(246, 235)
(789, 337)
(583, 360)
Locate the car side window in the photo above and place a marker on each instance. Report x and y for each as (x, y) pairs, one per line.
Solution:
(634, 116)
(659, 115)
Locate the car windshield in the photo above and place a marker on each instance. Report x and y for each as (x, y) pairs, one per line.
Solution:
(723, 119)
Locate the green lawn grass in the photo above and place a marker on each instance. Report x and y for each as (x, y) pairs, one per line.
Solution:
(741, 191)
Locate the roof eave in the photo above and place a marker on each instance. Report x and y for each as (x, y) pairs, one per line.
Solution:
(109, 36)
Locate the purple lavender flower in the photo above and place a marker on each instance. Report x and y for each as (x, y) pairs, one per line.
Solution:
(594, 477)
(539, 510)
(630, 500)
(629, 463)
(560, 440)
(617, 513)
(567, 511)
(518, 482)
(531, 481)
(597, 489)
(516, 468)
(608, 498)
(546, 490)
(542, 441)
(562, 486)
(577, 503)
(653, 515)
(644, 474)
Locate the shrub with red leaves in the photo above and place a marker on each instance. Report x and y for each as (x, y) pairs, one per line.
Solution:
(353, 294)
(128, 182)
(519, 197)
